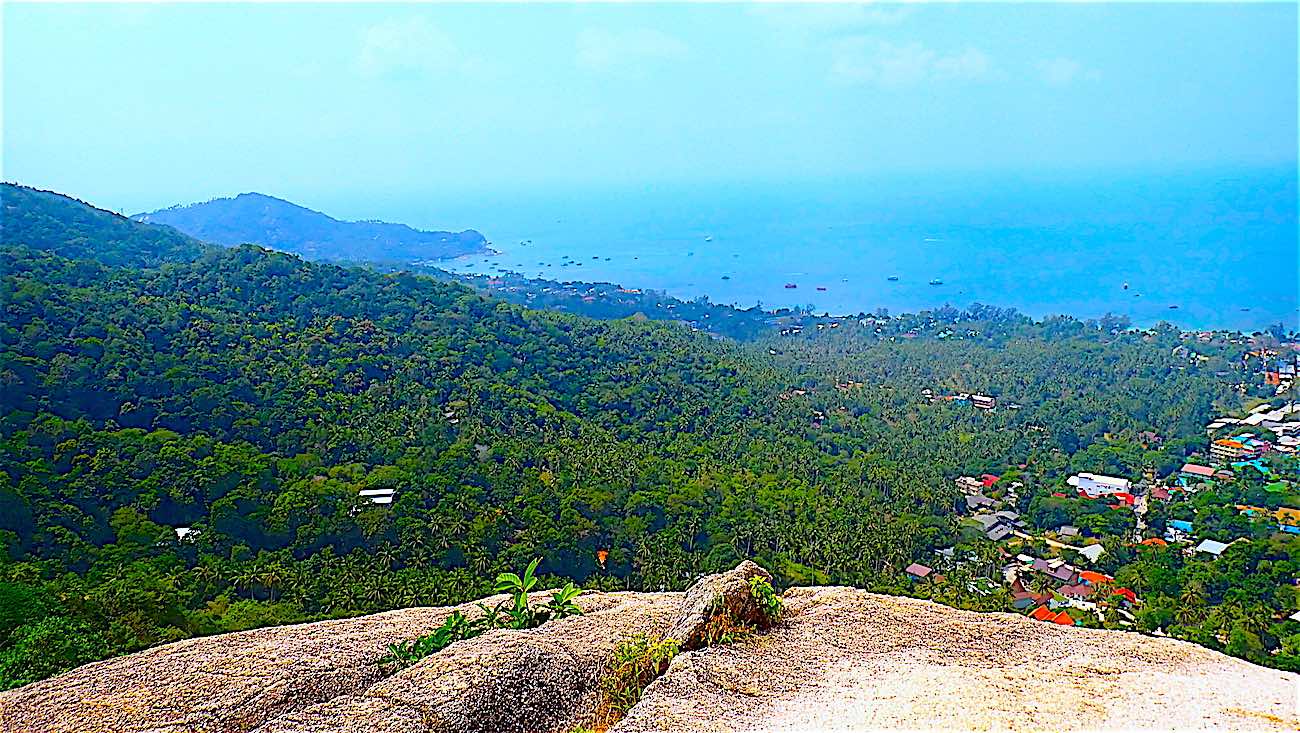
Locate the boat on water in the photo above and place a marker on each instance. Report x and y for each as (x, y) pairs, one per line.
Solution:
(726, 277)
(893, 278)
(790, 286)
(819, 287)
(1126, 285)
(708, 238)
(1173, 307)
(936, 281)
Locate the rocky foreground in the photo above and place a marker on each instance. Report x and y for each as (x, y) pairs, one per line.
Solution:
(842, 659)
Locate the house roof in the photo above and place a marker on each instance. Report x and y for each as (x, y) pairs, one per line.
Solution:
(1197, 470)
(1063, 573)
(999, 532)
(1093, 552)
(1094, 577)
(918, 570)
(1063, 619)
(1211, 546)
(1042, 613)
(1075, 591)
(1154, 542)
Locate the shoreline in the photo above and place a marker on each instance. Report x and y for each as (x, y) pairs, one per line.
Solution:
(781, 310)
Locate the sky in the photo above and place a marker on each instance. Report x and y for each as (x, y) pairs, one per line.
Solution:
(142, 106)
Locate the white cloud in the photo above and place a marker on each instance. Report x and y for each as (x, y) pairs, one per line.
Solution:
(407, 48)
(1061, 71)
(864, 60)
(606, 50)
(821, 17)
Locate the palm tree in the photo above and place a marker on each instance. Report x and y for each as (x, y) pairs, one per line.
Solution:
(246, 577)
(271, 577)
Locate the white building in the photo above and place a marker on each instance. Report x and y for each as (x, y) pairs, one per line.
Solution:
(1096, 485)
(1212, 547)
(378, 496)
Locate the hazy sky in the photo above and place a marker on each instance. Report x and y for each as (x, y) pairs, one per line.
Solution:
(136, 107)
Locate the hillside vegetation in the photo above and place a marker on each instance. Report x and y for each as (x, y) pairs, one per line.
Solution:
(247, 396)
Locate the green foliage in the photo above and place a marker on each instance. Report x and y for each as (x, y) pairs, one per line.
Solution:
(770, 605)
(636, 663)
(72, 229)
(46, 647)
(514, 613)
(518, 613)
(561, 603)
(455, 628)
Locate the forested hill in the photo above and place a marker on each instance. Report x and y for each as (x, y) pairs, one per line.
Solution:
(183, 448)
(70, 228)
(254, 218)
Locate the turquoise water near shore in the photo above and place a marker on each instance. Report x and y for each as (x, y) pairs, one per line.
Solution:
(1221, 246)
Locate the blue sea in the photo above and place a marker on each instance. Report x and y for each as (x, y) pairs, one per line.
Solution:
(1221, 246)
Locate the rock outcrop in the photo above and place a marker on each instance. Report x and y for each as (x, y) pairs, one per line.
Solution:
(843, 659)
(543, 679)
(851, 660)
(726, 594)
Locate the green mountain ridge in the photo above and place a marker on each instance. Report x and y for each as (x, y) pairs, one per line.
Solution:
(71, 228)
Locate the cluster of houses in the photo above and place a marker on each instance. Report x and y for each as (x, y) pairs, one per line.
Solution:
(1071, 593)
(996, 522)
(1283, 421)
(1278, 372)
(1051, 590)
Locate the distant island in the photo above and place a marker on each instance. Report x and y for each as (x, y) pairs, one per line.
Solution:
(256, 218)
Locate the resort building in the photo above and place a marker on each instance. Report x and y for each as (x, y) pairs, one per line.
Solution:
(1096, 485)
(1237, 448)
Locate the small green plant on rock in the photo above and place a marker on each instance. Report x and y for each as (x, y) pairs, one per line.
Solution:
(769, 603)
(519, 615)
(561, 603)
(727, 625)
(513, 613)
(405, 653)
(636, 663)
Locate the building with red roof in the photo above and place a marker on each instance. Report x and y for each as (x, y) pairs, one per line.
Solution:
(1043, 613)
(1129, 595)
(918, 571)
(1063, 619)
(1092, 577)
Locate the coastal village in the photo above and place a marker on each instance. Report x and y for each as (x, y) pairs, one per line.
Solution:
(1048, 571)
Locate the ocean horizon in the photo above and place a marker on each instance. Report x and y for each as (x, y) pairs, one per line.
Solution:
(1201, 250)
